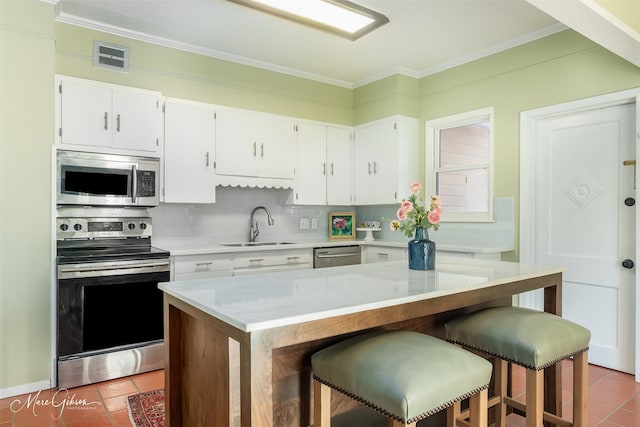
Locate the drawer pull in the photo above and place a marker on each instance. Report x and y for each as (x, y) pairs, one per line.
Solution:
(256, 260)
(383, 255)
(203, 264)
(293, 258)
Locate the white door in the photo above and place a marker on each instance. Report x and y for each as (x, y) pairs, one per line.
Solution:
(311, 177)
(136, 121)
(85, 114)
(582, 223)
(236, 144)
(339, 166)
(189, 150)
(375, 163)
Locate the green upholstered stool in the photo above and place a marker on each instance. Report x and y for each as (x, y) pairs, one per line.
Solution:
(534, 340)
(407, 376)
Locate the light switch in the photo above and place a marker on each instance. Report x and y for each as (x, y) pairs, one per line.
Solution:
(314, 223)
(304, 223)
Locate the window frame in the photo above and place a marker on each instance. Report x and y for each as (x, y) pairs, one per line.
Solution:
(432, 157)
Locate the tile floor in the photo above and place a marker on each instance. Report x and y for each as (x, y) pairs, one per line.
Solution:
(614, 401)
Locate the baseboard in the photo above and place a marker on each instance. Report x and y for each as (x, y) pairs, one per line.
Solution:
(24, 389)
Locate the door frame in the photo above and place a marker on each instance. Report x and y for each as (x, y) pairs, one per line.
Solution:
(528, 125)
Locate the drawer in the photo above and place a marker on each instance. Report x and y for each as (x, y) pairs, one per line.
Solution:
(201, 266)
(261, 259)
(383, 254)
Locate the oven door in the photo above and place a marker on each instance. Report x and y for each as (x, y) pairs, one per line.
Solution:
(109, 306)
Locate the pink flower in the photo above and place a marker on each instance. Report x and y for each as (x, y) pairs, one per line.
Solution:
(434, 216)
(394, 225)
(401, 214)
(435, 201)
(406, 206)
(415, 187)
(339, 223)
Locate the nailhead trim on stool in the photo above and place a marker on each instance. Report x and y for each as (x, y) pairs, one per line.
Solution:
(532, 339)
(407, 376)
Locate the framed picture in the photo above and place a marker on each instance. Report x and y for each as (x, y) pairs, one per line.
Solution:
(342, 225)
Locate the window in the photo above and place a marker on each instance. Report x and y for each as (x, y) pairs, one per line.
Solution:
(459, 165)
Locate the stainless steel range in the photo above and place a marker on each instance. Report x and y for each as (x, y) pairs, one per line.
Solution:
(109, 307)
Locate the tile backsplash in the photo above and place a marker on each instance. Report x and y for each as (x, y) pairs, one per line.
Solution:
(228, 220)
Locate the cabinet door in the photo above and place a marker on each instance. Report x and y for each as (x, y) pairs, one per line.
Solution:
(376, 164)
(85, 114)
(311, 182)
(277, 147)
(339, 166)
(137, 121)
(189, 150)
(236, 144)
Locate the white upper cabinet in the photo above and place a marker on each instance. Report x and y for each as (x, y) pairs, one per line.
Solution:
(311, 180)
(109, 118)
(257, 145)
(324, 165)
(189, 150)
(339, 166)
(385, 160)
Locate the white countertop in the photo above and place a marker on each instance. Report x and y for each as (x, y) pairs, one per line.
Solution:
(252, 303)
(179, 246)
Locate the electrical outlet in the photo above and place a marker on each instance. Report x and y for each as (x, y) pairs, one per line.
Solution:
(304, 223)
(314, 223)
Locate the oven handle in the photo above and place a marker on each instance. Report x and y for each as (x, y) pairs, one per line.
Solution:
(88, 270)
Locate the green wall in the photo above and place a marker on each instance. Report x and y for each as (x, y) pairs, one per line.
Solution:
(26, 135)
(557, 69)
(628, 11)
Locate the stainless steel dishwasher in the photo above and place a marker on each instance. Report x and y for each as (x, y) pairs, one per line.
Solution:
(335, 256)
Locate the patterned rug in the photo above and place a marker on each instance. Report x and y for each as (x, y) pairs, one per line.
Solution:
(147, 409)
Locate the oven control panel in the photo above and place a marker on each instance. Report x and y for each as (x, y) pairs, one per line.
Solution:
(90, 228)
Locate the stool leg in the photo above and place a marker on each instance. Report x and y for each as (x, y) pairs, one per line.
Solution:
(535, 397)
(500, 389)
(453, 413)
(478, 410)
(580, 372)
(321, 405)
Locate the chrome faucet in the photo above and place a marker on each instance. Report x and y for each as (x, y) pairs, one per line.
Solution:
(253, 227)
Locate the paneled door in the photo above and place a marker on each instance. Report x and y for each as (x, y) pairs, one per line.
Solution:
(585, 221)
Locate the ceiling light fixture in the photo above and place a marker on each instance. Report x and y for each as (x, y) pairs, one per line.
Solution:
(341, 17)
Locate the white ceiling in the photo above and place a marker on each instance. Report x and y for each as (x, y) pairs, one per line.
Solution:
(423, 36)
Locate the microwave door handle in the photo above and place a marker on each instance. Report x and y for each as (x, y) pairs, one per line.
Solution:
(134, 184)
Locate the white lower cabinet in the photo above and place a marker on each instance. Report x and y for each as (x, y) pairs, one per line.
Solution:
(186, 267)
(371, 254)
(267, 261)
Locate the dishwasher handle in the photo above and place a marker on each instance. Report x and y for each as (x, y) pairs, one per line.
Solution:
(327, 255)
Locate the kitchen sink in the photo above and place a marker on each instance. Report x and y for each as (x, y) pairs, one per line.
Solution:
(251, 244)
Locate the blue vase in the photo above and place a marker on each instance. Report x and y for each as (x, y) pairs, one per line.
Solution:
(422, 251)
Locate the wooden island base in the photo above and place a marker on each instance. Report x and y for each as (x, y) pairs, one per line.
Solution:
(218, 375)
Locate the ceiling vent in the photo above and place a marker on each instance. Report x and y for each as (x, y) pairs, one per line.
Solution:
(110, 56)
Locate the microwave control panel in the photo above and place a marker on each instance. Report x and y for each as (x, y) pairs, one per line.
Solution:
(146, 184)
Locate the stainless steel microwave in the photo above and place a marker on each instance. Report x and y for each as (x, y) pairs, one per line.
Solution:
(94, 179)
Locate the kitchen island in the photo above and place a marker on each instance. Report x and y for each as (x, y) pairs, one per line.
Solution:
(238, 348)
